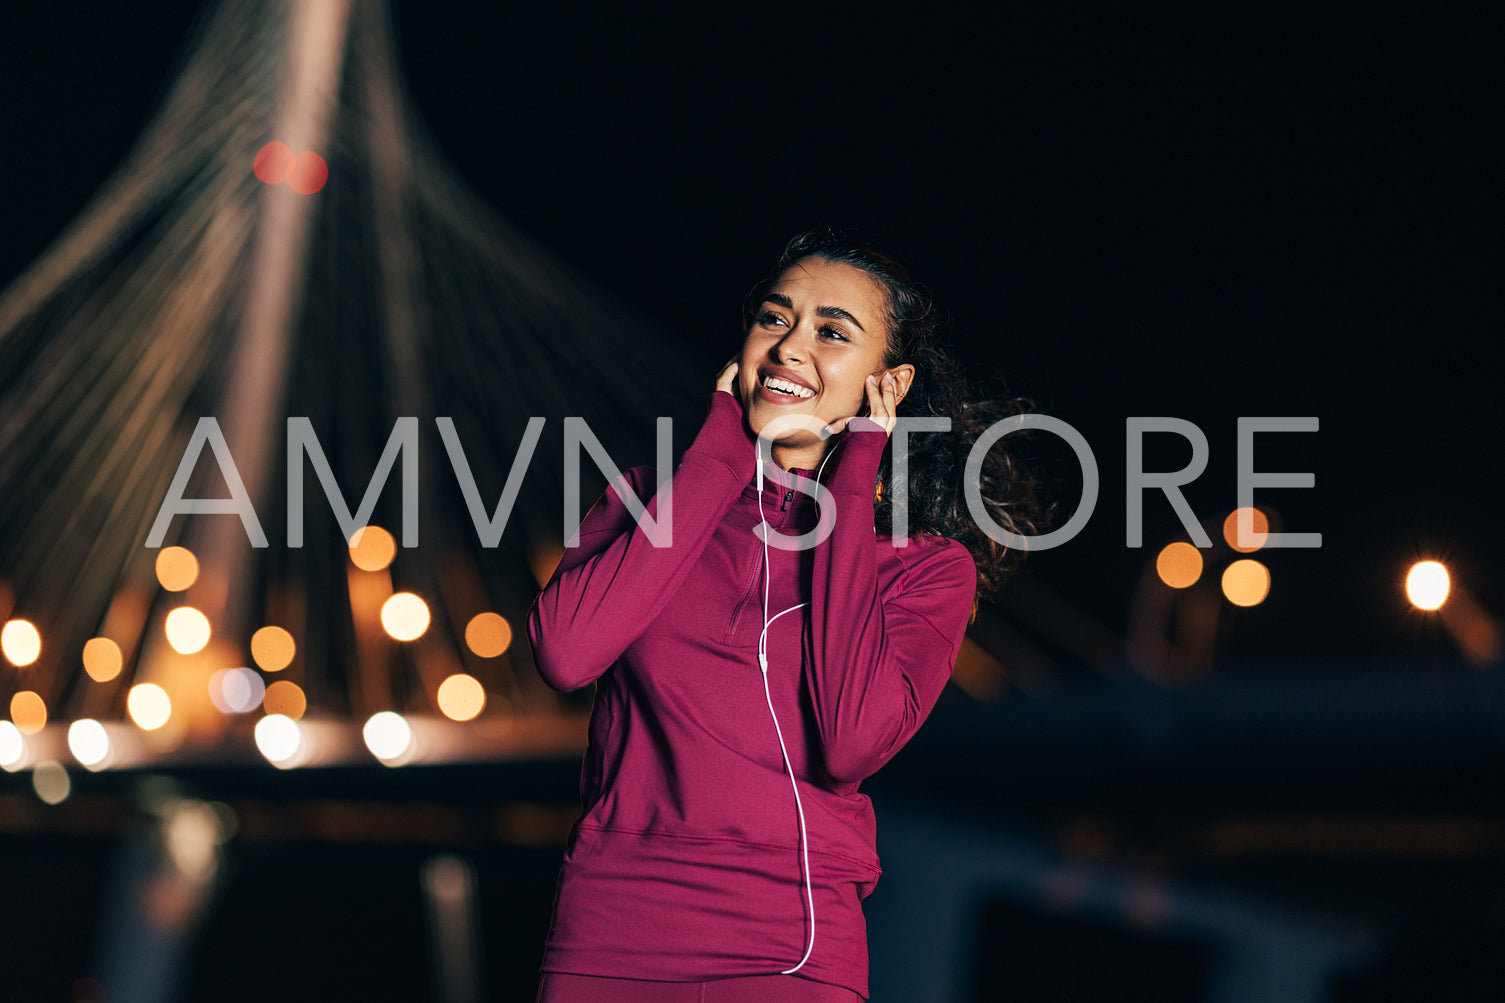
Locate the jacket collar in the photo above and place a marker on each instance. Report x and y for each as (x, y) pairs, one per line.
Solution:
(777, 482)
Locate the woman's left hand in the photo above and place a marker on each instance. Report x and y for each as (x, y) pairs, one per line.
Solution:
(882, 403)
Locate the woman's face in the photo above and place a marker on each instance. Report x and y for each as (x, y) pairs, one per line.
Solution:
(819, 332)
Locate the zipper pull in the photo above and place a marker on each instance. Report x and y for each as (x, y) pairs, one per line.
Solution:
(788, 497)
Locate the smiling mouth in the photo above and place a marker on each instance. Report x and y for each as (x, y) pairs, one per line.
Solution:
(785, 388)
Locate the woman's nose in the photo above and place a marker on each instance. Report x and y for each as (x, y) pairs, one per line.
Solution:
(795, 345)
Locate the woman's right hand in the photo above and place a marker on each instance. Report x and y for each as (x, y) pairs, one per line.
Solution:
(728, 380)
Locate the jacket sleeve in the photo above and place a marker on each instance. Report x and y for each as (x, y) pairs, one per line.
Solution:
(612, 581)
(878, 663)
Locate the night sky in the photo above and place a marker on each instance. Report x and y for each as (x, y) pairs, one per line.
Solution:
(1213, 212)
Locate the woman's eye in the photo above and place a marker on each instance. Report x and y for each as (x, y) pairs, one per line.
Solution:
(770, 319)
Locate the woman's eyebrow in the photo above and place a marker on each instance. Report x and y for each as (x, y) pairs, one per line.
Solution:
(837, 313)
(829, 312)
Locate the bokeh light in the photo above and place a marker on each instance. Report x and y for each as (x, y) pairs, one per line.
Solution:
(191, 837)
(461, 697)
(488, 634)
(278, 738)
(88, 741)
(272, 162)
(286, 698)
(387, 735)
(236, 691)
(28, 712)
(1246, 582)
(177, 568)
(1427, 585)
(405, 616)
(20, 642)
(272, 648)
(1179, 564)
(308, 173)
(372, 549)
(1261, 528)
(12, 745)
(187, 630)
(102, 659)
(149, 706)
(50, 781)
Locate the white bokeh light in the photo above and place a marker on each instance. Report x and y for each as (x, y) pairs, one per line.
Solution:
(149, 706)
(236, 691)
(279, 738)
(1427, 585)
(20, 642)
(88, 742)
(187, 630)
(388, 735)
(12, 746)
(405, 616)
(50, 781)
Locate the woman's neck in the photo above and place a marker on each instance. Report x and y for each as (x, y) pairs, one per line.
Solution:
(801, 457)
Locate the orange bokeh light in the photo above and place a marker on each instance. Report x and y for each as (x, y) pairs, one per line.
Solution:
(488, 634)
(285, 697)
(28, 713)
(177, 568)
(272, 649)
(1261, 528)
(372, 548)
(461, 697)
(102, 659)
(1246, 582)
(1179, 564)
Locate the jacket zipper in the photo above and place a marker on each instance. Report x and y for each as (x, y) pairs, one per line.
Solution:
(752, 585)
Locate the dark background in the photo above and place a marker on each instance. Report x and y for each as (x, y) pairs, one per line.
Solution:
(1207, 212)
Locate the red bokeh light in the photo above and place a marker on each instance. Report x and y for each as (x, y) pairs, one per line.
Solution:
(273, 162)
(308, 174)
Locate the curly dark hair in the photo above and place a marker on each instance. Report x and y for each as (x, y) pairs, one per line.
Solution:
(918, 334)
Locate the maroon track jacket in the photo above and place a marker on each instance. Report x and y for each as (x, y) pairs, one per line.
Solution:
(686, 863)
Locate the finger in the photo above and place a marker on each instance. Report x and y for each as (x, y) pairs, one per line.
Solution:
(728, 376)
(874, 394)
(877, 404)
(889, 394)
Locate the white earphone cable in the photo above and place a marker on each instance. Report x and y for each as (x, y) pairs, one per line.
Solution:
(763, 665)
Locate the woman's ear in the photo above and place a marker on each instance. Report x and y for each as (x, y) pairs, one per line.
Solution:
(903, 378)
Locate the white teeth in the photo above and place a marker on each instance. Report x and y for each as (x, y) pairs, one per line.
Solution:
(784, 386)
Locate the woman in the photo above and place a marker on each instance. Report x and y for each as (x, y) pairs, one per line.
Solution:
(747, 684)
